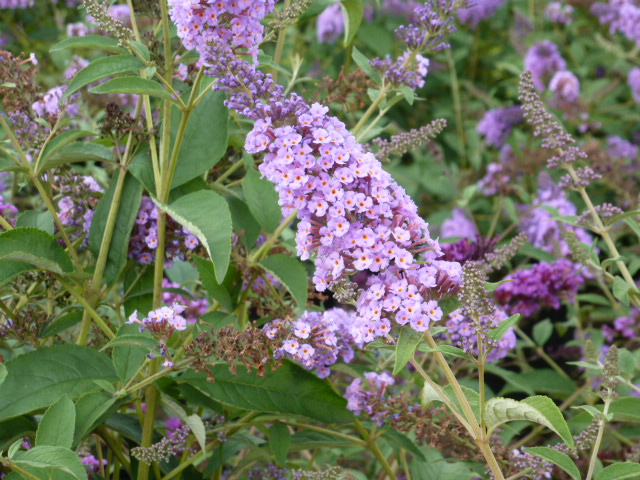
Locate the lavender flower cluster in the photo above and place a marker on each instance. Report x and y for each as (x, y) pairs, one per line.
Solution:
(353, 216)
(13, 4)
(479, 11)
(194, 308)
(538, 224)
(496, 125)
(77, 206)
(543, 60)
(359, 395)
(627, 327)
(463, 332)
(559, 12)
(622, 16)
(544, 285)
(316, 339)
(236, 23)
(144, 238)
(162, 322)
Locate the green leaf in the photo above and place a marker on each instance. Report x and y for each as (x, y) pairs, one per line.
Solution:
(201, 148)
(77, 152)
(538, 409)
(244, 222)
(558, 458)
(408, 93)
(91, 42)
(52, 457)
(445, 349)
(621, 290)
(262, 200)
(133, 85)
(132, 340)
(197, 428)
(288, 390)
(291, 273)
(3, 373)
(62, 323)
(38, 378)
(40, 220)
(215, 290)
(408, 342)
(633, 225)
(493, 286)
(279, 441)
(353, 13)
(499, 332)
(626, 409)
(127, 358)
(92, 409)
(363, 63)
(472, 397)
(126, 216)
(449, 305)
(9, 269)
(35, 248)
(619, 471)
(104, 67)
(542, 331)
(56, 426)
(206, 215)
(62, 140)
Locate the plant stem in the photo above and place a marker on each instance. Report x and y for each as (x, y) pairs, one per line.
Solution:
(315, 428)
(457, 104)
(162, 373)
(103, 255)
(382, 95)
(596, 445)
(83, 301)
(541, 352)
(282, 35)
(266, 246)
(373, 446)
(151, 396)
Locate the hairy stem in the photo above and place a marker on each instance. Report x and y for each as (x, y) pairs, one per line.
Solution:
(596, 445)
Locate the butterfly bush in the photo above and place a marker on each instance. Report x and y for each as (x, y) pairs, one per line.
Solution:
(13, 4)
(634, 82)
(330, 24)
(360, 394)
(558, 12)
(353, 217)
(622, 16)
(565, 86)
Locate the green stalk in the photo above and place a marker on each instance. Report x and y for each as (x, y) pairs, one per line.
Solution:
(6, 225)
(83, 301)
(266, 246)
(52, 209)
(25, 473)
(457, 104)
(282, 35)
(151, 397)
(374, 448)
(596, 445)
(370, 111)
(162, 373)
(96, 281)
(602, 230)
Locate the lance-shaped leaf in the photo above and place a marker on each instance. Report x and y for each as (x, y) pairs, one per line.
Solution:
(37, 379)
(49, 459)
(56, 426)
(291, 273)
(538, 409)
(133, 85)
(92, 42)
(262, 200)
(102, 68)
(558, 458)
(206, 215)
(620, 471)
(35, 248)
(408, 342)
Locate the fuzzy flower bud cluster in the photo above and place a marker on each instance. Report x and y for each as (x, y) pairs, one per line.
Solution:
(77, 206)
(144, 238)
(194, 308)
(317, 339)
(235, 22)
